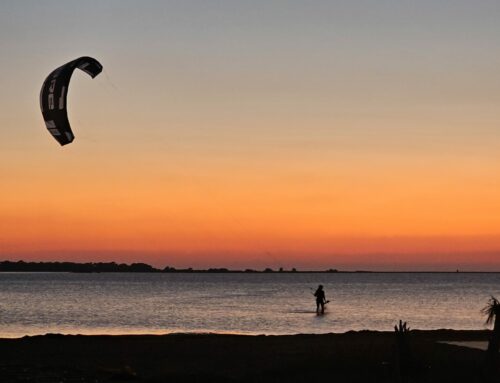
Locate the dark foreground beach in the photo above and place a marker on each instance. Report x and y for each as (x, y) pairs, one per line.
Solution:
(351, 357)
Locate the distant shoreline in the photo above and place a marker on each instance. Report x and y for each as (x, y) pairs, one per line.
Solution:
(113, 267)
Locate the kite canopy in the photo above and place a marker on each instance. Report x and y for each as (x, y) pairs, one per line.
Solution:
(54, 93)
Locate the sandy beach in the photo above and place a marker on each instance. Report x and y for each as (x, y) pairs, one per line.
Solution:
(364, 356)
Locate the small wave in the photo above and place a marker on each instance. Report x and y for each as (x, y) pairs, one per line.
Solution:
(301, 312)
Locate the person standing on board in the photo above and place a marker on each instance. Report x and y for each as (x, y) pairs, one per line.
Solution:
(320, 300)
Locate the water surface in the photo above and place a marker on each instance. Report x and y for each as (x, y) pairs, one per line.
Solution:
(119, 303)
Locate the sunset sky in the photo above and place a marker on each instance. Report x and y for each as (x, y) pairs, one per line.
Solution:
(311, 134)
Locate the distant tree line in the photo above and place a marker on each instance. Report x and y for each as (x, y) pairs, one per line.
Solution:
(113, 267)
(99, 267)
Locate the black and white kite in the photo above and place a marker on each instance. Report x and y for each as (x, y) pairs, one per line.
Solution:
(54, 93)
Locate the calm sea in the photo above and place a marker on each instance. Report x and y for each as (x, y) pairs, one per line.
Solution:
(39, 303)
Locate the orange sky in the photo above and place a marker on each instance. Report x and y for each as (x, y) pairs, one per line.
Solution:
(314, 136)
(364, 213)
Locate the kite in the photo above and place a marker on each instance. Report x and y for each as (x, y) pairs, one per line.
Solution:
(54, 94)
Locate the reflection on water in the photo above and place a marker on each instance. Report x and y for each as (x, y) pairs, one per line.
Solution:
(38, 303)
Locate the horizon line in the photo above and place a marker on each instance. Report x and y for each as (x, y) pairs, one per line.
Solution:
(248, 270)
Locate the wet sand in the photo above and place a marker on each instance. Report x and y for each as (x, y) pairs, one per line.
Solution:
(351, 357)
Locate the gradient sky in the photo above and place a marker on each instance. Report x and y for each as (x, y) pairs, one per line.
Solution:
(310, 134)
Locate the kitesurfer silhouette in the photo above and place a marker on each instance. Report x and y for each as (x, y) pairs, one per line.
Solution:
(320, 300)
